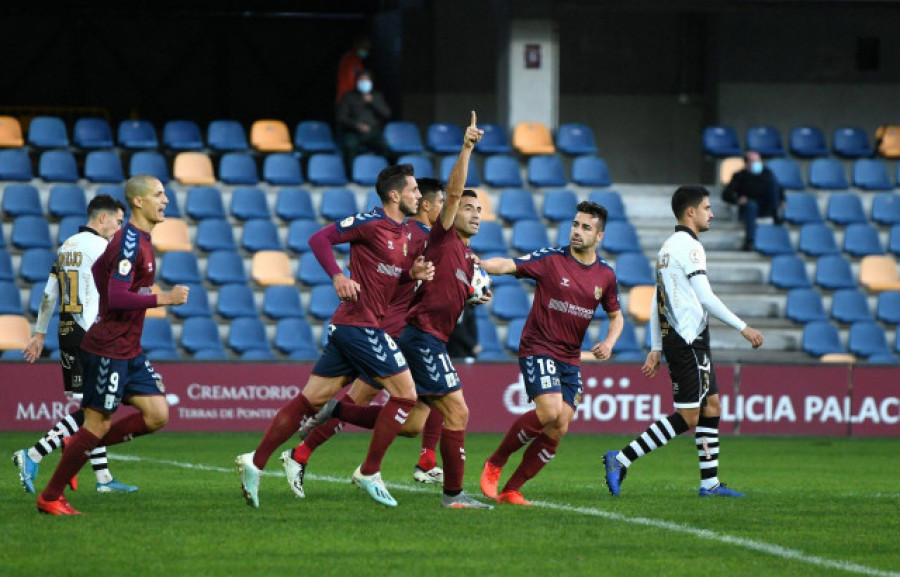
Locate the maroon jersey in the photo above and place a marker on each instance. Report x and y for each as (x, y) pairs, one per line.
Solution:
(379, 251)
(438, 303)
(395, 317)
(565, 299)
(124, 278)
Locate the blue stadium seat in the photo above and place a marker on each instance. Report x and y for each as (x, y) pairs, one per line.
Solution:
(851, 142)
(372, 200)
(886, 208)
(444, 138)
(103, 166)
(494, 141)
(172, 210)
(491, 349)
(787, 173)
(326, 170)
(821, 338)
(817, 239)
(620, 236)
(808, 142)
(516, 204)
(473, 179)
(6, 267)
(2, 238)
(211, 355)
(628, 347)
(92, 133)
(366, 168)
(862, 240)
(772, 239)
(215, 234)
(281, 301)
(893, 240)
(225, 267)
(58, 166)
(294, 337)
(181, 135)
(590, 338)
(69, 226)
(827, 174)
(766, 140)
(883, 358)
(590, 171)
(35, 264)
(180, 267)
(867, 338)
(21, 200)
(563, 231)
(235, 300)
(10, 299)
(247, 334)
(314, 136)
(35, 296)
(529, 236)
(282, 169)
(238, 168)
(323, 301)
(157, 335)
(422, 165)
(258, 355)
(15, 165)
(293, 204)
(888, 307)
(403, 137)
(260, 234)
(850, 306)
(559, 205)
(311, 273)
(204, 202)
(299, 232)
(31, 232)
(833, 272)
(117, 191)
(546, 170)
(633, 269)
(338, 204)
(871, 174)
(248, 203)
(489, 238)
(575, 139)
(514, 335)
(845, 208)
(149, 162)
(612, 202)
(197, 304)
(788, 271)
(502, 170)
(510, 302)
(804, 305)
(720, 142)
(47, 132)
(137, 134)
(226, 135)
(802, 208)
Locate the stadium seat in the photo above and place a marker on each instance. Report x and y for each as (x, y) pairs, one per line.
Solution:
(787, 173)
(35, 296)
(888, 308)
(47, 132)
(641, 302)
(808, 142)
(473, 178)
(559, 205)
(35, 264)
(422, 165)
(30, 232)
(867, 338)
(271, 267)
(235, 300)
(338, 204)
(238, 168)
(563, 231)
(366, 168)
(487, 207)
(270, 136)
(590, 171)
(491, 349)
(510, 302)
(851, 142)
(802, 208)
(193, 168)
(182, 135)
(514, 335)
(226, 135)
(372, 200)
(728, 167)
(494, 140)
(15, 165)
(612, 202)
(833, 272)
(850, 306)
(14, 333)
(171, 234)
(260, 234)
(444, 138)
(147, 162)
(546, 170)
(788, 272)
(575, 139)
(845, 208)
(772, 239)
(533, 138)
(247, 334)
(294, 204)
(804, 305)
(314, 136)
(157, 335)
(294, 337)
(893, 240)
(172, 210)
(225, 267)
(204, 202)
(516, 204)
(627, 347)
(886, 209)
(103, 166)
(862, 240)
(69, 226)
(58, 166)
(821, 338)
(885, 358)
(529, 236)
(887, 141)
(311, 273)
(871, 174)
(326, 170)
(502, 170)
(197, 304)
(489, 238)
(282, 169)
(10, 299)
(766, 140)
(282, 301)
(323, 301)
(6, 267)
(721, 141)
(619, 237)
(215, 234)
(21, 200)
(827, 174)
(137, 134)
(403, 137)
(633, 269)
(92, 133)
(299, 232)
(211, 355)
(879, 273)
(248, 203)
(817, 239)
(180, 267)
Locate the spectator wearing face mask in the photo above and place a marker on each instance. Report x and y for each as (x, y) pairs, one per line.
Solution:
(361, 117)
(757, 193)
(350, 64)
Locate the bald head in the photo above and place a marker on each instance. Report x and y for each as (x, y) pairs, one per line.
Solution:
(140, 185)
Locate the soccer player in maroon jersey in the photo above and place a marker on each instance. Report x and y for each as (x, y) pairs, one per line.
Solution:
(571, 283)
(379, 253)
(115, 367)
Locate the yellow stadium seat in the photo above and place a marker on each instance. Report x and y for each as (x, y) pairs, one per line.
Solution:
(14, 332)
(640, 302)
(194, 168)
(531, 138)
(156, 312)
(487, 210)
(728, 167)
(888, 140)
(10, 132)
(879, 273)
(271, 267)
(270, 136)
(171, 234)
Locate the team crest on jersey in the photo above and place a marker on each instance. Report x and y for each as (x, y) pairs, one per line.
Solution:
(124, 267)
(694, 255)
(347, 221)
(598, 292)
(565, 282)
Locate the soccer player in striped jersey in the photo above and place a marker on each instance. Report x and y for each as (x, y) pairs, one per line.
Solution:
(680, 329)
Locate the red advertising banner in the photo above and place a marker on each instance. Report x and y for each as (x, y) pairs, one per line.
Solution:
(875, 405)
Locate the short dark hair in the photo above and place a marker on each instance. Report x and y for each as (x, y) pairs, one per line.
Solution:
(686, 196)
(104, 203)
(594, 209)
(429, 187)
(363, 72)
(470, 192)
(392, 178)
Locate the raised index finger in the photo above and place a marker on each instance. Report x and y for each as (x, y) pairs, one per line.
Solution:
(472, 124)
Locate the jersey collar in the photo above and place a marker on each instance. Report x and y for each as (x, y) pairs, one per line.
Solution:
(681, 228)
(88, 229)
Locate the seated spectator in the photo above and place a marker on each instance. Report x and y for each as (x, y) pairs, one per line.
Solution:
(756, 192)
(361, 117)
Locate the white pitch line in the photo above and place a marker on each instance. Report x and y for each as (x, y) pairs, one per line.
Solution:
(758, 546)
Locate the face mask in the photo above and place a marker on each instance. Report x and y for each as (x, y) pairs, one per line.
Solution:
(364, 86)
(756, 167)
(362, 53)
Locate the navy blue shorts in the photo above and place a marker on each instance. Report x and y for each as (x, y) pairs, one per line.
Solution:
(108, 381)
(544, 374)
(357, 351)
(429, 363)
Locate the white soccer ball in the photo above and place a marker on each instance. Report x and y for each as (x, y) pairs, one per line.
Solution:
(481, 284)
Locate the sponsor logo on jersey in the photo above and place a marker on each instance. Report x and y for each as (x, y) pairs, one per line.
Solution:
(569, 308)
(389, 270)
